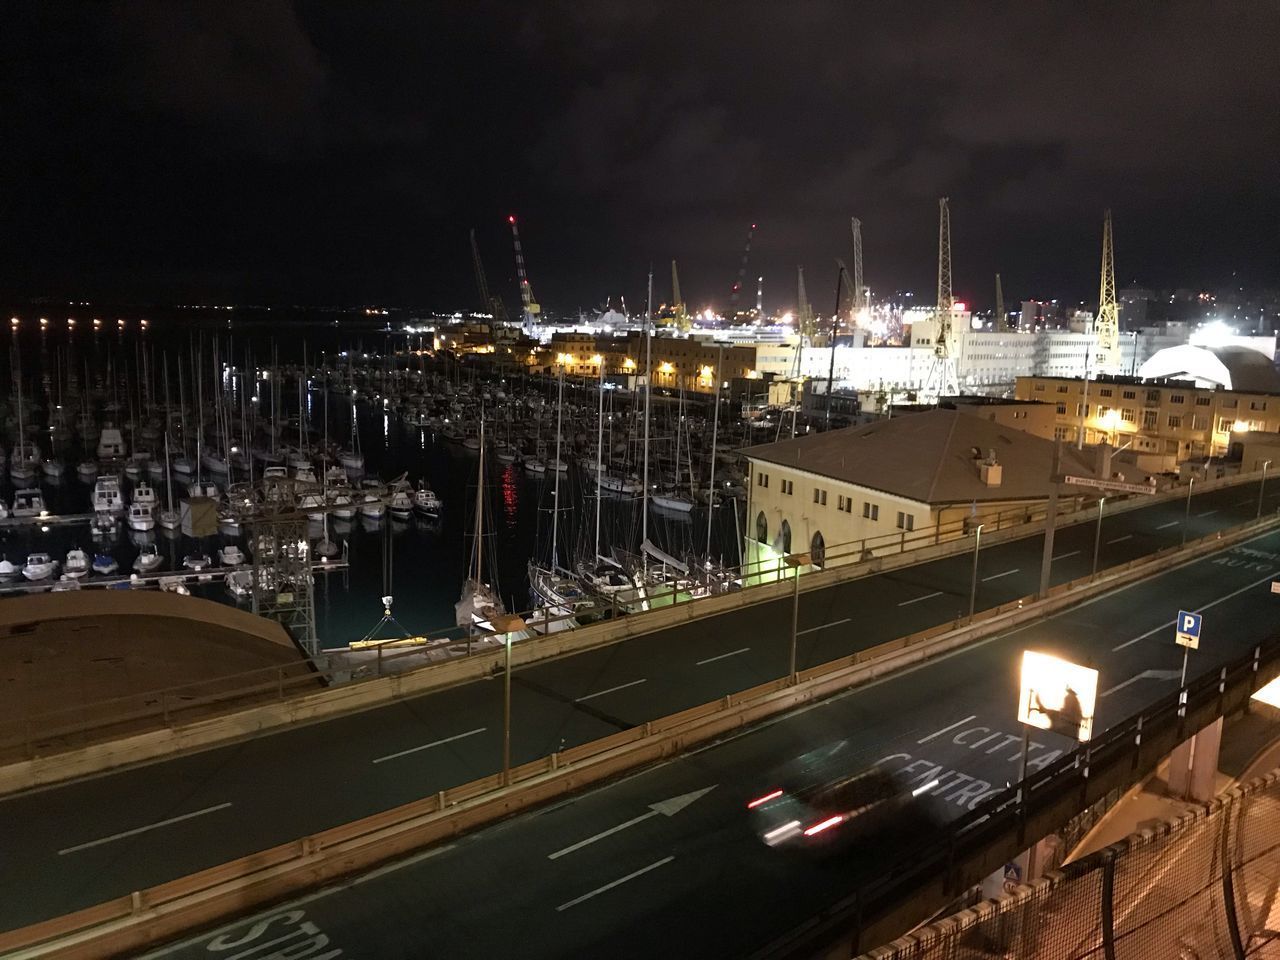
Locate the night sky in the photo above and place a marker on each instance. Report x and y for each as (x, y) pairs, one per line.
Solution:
(321, 153)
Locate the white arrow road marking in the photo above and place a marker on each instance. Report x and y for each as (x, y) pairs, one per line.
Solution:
(433, 743)
(668, 808)
(137, 830)
(1144, 675)
(1212, 603)
(616, 883)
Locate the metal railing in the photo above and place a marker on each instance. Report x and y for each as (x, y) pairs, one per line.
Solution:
(51, 731)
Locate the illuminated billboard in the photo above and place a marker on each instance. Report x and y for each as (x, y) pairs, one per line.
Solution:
(1057, 695)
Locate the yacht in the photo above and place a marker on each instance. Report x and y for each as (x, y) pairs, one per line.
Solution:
(107, 497)
(145, 493)
(76, 564)
(426, 501)
(111, 443)
(148, 559)
(140, 517)
(28, 503)
(104, 523)
(231, 555)
(672, 501)
(39, 566)
(7, 569)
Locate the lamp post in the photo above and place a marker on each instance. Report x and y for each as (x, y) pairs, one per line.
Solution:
(795, 561)
(507, 625)
(1186, 514)
(1097, 536)
(973, 580)
(1262, 485)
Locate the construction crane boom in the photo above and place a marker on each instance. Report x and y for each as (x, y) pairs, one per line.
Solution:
(942, 378)
(1000, 323)
(488, 301)
(804, 312)
(742, 274)
(680, 311)
(531, 307)
(1106, 327)
(859, 291)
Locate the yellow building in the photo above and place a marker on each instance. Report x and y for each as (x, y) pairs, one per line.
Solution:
(1175, 420)
(906, 478)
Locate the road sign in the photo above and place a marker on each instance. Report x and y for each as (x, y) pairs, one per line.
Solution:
(1188, 630)
(1057, 695)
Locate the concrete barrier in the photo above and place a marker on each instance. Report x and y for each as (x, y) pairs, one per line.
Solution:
(159, 913)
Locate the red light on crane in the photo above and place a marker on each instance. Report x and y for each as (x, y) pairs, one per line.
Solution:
(511, 219)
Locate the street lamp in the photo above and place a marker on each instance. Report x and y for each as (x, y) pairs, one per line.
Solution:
(795, 561)
(507, 625)
(1265, 464)
(1186, 514)
(973, 581)
(1097, 536)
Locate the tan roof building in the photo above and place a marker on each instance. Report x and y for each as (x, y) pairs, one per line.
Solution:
(905, 477)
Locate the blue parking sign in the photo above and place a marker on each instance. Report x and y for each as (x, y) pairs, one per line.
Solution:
(1187, 630)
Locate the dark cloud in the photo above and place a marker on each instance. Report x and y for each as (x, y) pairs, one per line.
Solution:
(317, 151)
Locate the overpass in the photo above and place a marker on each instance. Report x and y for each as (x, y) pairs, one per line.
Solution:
(566, 880)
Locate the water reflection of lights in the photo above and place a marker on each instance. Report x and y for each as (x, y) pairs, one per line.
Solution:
(510, 495)
(386, 430)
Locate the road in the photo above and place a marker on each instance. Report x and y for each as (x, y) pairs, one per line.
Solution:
(75, 844)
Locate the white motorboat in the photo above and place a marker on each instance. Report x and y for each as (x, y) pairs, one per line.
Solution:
(146, 494)
(344, 507)
(141, 517)
(372, 505)
(401, 504)
(39, 566)
(65, 583)
(4, 509)
(675, 502)
(87, 470)
(24, 462)
(169, 519)
(196, 561)
(174, 585)
(137, 465)
(148, 559)
(504, 454)
(107, 497)
(240, 584)
(28, 503)
(313, 504)
(111, 443)
(625, 486)
(231, 555)
(426, 501)
(7, 569)
(77, 563)
(536, 466)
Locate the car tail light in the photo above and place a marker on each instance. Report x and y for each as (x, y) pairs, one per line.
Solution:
(773, 795)
(824, 825)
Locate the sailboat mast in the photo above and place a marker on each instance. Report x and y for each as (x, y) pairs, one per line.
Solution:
(168, 474)
(715, 428)
(475, 547)
(555, 487)
(648, 397)
(599, 455)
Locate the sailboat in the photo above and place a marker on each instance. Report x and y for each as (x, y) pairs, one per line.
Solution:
(479, 604)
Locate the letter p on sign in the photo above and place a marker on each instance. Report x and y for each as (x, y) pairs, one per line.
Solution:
(1188, 630)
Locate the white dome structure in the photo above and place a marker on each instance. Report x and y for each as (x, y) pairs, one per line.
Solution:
(1231, 368)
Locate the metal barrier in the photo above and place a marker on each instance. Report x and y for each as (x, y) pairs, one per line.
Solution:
(1202, 886)
(60, 729)
(927, 876)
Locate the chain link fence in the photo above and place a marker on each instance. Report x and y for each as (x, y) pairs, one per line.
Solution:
(1200, 887)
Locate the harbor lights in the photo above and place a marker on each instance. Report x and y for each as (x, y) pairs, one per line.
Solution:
(44, 323)
(97, 324)
(71, 323)
(13, 322)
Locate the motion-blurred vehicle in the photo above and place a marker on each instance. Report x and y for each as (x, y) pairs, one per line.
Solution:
(824, 799)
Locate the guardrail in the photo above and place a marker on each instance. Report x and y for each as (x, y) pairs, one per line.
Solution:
(56, 731)
(923, 877)
(145, 917)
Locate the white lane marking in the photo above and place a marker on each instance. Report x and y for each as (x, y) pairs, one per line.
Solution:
(1214, 603)
(616, 883)
(151, 826)
(1144, 675)
(946, 729)
(731, 653)
(927, 596)
(833, 623)
(1127, 536)
(601, 693)
(1207, 513)
(433, 743)
(1171, 523)
(997, 576)
(668, 808)
(1063, 556)
(1241, 503)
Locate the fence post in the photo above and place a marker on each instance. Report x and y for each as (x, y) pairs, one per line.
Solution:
(1228, 882)
(1108, 903)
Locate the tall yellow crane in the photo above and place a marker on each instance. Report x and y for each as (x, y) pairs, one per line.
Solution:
(1106, 328)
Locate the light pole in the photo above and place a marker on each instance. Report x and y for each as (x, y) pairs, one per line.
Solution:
(507, 625)
(795, 561)
(1186, 514)
(1097, 536)
(973, 580)
(1262, 485)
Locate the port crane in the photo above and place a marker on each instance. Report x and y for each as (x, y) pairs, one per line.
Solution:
(942, 375)
(1106, 328)
(488, 302)
(530, 307)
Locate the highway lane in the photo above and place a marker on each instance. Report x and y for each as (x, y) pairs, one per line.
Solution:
(76, 844)
(604, 874)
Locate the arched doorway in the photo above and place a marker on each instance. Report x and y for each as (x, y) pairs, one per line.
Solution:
(783, 544)
(817, 550)
(762, 528)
